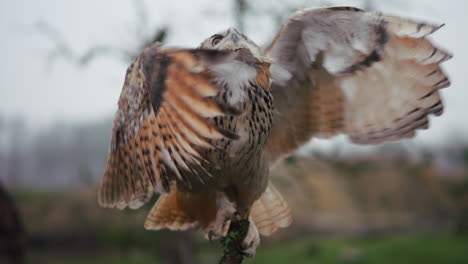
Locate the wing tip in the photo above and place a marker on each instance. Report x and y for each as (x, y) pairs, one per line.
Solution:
(109, 203)
(438, 27)
(110, 196)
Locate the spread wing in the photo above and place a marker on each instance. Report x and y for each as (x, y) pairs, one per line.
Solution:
(161, 124)
(341, 70)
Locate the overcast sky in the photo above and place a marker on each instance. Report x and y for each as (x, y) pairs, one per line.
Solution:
(68, 92)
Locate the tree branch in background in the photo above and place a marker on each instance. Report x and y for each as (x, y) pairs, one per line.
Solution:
(64, 50)
(240, 8)
(232, 242)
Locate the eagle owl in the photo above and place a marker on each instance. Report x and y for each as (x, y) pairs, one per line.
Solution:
(203, 126)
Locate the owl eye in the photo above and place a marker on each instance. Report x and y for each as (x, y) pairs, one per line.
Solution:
(216, 40)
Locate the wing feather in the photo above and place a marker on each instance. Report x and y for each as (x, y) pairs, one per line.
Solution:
(161, 124)
(340, 70)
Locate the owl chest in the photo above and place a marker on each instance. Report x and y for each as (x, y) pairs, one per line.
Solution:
(252, 126)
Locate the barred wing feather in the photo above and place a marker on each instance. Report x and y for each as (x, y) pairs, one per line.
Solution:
(341, 70)
(161, 124)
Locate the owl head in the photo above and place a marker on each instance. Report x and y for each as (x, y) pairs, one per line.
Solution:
(231, 39)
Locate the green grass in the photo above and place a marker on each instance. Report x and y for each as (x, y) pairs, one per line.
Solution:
(132, 259)
(427, 249)
(407, 249)
(121, 234)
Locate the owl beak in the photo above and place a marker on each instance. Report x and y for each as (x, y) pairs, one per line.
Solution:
(234, 37)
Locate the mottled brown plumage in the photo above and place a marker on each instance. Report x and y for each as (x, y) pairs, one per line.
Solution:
(203, 126)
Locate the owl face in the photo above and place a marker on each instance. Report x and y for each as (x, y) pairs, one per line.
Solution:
(231, 39)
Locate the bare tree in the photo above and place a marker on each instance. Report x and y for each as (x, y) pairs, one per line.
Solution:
(64, 50)
(240, 9)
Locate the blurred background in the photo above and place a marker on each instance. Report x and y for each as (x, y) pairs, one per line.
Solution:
(64, 65)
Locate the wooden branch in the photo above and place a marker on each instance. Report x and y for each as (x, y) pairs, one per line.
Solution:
(232, 242)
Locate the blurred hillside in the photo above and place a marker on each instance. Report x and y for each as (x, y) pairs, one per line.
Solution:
(373, 194)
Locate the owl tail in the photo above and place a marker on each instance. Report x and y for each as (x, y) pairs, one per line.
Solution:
(179, 211)
(270, 212)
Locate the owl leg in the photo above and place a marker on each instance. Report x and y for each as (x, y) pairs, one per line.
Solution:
(224, 214)
(251, 241)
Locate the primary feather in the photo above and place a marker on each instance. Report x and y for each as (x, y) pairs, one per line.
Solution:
(161, 124)
(344, 71)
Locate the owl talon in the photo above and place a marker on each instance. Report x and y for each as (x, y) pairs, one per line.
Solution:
(249, 245)
(225, 213)
(240, 249)
(244, 250)
(236, 215)
(211, 235)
